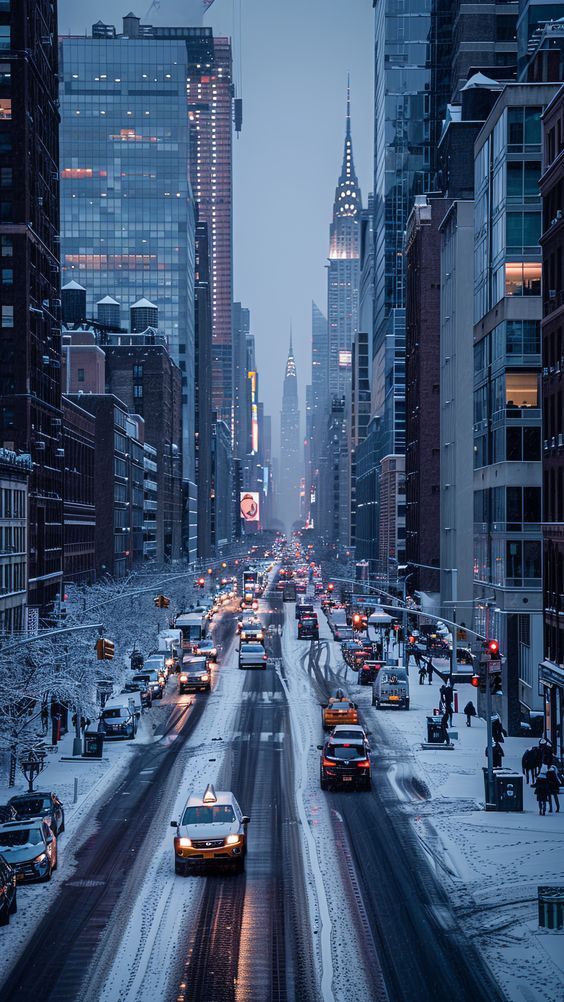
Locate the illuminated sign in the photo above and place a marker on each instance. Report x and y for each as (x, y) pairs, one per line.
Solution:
(249, 506)
(254, 411)
(345, 358)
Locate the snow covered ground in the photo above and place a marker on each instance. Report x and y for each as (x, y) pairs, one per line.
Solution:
(493, 862)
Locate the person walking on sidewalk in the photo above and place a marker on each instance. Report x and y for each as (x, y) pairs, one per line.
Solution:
(541, 791)
(430, 670)
(447, 697)
(498, 754)
(553, 788)
(444, 728)
(422, 672)
(470, 711)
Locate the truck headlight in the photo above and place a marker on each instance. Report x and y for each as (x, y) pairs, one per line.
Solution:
(205, 678)
(183, 843)
(183, 678)
(232, 839)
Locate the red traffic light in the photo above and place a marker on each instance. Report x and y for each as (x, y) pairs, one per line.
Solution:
(201, 582)
(330, 586)
(493, 647)
(475, 681)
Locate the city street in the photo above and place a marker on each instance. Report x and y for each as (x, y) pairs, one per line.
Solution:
(337, 901)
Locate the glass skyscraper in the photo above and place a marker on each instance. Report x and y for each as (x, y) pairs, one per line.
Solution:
(127, 210)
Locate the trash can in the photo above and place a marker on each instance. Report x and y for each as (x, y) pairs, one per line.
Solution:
(551, 907)
(93, 744)
(434, 736)
(508, 790)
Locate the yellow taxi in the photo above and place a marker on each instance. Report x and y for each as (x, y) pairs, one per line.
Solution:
(340, 709)
(212, 830)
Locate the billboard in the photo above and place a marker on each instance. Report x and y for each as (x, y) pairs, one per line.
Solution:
(249, 505)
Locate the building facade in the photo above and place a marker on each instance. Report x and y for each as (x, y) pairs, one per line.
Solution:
(127, 210)
(30, 341)
(507, 404)
(422, 391)
(552, 241)
(15, 471)
(359, 414)
(79, 497)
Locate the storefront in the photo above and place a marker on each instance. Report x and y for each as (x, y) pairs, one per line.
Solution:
(551, 687)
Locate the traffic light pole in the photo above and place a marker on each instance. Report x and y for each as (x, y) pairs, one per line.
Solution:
(490, 798)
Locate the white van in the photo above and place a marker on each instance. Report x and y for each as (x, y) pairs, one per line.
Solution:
(391, 688)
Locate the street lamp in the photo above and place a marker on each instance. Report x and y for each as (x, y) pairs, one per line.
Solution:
(32, 764)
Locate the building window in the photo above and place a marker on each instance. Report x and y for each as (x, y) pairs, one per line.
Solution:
(7, 316)
(5, 109)
(5, 41)
(7, 276)
(138, 372)
(5, 212)
(522, 279)
(6, 173)
(138, 392)
(80, 375)
(521, 389)
(6, 247)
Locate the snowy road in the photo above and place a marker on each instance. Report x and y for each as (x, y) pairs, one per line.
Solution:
(338, 902)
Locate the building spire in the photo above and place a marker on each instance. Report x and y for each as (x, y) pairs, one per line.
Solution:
(347, 195)
(291, 350)
(348, 129)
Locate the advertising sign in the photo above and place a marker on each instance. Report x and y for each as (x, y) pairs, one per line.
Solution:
(249, 505)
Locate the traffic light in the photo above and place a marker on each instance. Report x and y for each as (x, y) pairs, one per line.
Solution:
(357, 620)
(412, 641)
(105, 649)
(161, 601)
(330, 586)
(493, 649)
(475, 681)
(202, 582)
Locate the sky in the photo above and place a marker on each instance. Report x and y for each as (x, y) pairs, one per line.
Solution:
(291, 63)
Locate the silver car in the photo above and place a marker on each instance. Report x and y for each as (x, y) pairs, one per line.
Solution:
(30, 847)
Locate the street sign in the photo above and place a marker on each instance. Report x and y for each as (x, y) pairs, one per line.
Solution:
(494, 667)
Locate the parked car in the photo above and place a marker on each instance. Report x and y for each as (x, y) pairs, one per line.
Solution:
(152, 680)
(8, 891)
(7, 813)
(252, 656)
(140, 685)
(30, 848)
(118, 720)
(40, 805)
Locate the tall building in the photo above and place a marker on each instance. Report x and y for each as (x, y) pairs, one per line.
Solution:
(79, 494)
(241, 411)
(203, 419)
(127, 209)
(30, 335)
(551, 673)
(507, 404)
(210, 92)
(343, 273)
(15, 472)
(422, 398)
(290, 450)
(359, 414)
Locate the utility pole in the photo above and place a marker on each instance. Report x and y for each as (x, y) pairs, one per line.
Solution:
(489, 737)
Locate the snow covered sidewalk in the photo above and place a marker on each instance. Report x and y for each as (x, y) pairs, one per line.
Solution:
(493, 862)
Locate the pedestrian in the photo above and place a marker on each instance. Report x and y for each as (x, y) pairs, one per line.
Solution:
(430, 670)
(497, 754)
(553, 788)
(527, 764)
(497, 729)
(422, 673)
(444, 729)
(541, 790)
(448, 700)
(470, 711)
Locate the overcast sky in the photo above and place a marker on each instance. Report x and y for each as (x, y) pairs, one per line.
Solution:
(291, 60)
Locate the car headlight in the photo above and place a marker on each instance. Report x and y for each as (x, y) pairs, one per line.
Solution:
(183, 678)
(42, 858)
(232, 839)
(205, 678)
(184, 843)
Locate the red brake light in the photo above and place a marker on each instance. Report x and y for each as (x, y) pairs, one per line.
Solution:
(363, 763)
(327, 763)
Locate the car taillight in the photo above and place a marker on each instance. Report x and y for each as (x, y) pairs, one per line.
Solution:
(364, 763)
(328, 763)
(264, 657)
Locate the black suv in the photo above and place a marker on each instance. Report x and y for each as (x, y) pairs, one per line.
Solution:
(141, 686)
(40, 805)
(8, 891)
(308, 628)
(344, 763)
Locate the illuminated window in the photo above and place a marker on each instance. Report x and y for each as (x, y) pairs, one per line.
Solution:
(522, 279)
(5, 109)
(521, 389)
(7, 316)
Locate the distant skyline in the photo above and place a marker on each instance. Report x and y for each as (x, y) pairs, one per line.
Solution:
(291, 64)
